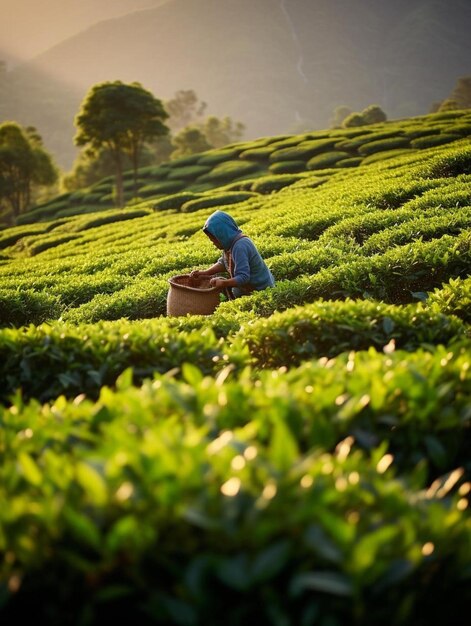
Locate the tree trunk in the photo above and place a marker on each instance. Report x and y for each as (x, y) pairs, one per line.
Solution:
(135, 166)
(119, 179)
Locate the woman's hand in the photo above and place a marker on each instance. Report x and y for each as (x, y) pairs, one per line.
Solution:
(219, 283)
(195, 274)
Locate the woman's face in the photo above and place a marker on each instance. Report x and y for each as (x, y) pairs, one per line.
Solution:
(214, 240)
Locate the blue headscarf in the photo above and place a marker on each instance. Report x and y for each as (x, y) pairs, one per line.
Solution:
(222, 226)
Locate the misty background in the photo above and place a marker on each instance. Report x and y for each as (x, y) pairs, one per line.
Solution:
(277, 66)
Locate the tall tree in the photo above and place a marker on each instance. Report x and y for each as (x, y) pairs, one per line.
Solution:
(122, 118)
(372, 114)
(460, 97)
(220, 132)
(184, 109)
(189, 140)
(339, 114)
(24, 166)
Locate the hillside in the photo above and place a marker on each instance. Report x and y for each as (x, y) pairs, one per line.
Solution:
(298, 457)
(279, 64)
(26, 33)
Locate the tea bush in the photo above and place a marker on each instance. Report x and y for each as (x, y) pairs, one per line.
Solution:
(216, 200)
(433, 140)
(326, 329)
(287, 167)
(228, 170)
(326, 159)
(174, 201)
(454, 298)
(303, 150)
(379, 145)
(222, 507)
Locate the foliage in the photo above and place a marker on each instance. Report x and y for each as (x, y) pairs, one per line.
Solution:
(24, 166)
(460, 97)
(216, 200)
(300, 456)
(221, 132)
(190, 140)
(184, 109)
(372, 114)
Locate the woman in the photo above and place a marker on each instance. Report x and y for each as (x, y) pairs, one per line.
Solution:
(240, 258)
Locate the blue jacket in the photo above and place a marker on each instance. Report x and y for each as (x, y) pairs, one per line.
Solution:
(248, 268)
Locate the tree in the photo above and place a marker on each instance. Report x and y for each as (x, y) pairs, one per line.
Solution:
(372, 114)
(186, 112)
(220, 132)
(339, 115)
(24, 166)
(91, 166)
(448, 105)
(352, 120)
(460, 97)
(121, 118)
(184, 109)
(190, 140)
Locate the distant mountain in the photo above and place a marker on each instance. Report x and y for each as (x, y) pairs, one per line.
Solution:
(26, 33)
(272, 64)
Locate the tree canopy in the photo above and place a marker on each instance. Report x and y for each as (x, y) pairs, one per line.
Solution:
(121, 118)
(460, 97)
(24, 166)
(372, 114)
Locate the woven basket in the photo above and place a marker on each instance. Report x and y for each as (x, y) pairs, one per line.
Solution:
(187, 295)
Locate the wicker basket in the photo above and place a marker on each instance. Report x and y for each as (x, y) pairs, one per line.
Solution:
(187, 295)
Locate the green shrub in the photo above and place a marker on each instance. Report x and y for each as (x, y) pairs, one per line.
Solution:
(44, 213)
(279, 486)
(229, 170)
(216, 200)
(350, 162)
(18, 308)
(453, 164)
(326, 159)
(164, 187)
(392, 143)
(326, 329)
(13, 235)
(364, 137)
(144, 298)
(257, 154)
(188, 171)
(287, 167)
(433, 140)
(385, 155)
(120, 216)
(454, 298)
(57, 359)
(302, 151)
(460, 129)
(174, 201)
(269, 184)
(32, 247)
(191, 159)
(78, 210)
(154, 171)
(215, 157)
(422, 228)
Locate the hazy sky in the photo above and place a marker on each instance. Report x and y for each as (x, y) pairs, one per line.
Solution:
(28, 27)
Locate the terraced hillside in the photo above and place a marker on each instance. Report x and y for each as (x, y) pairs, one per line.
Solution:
(299, 457)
